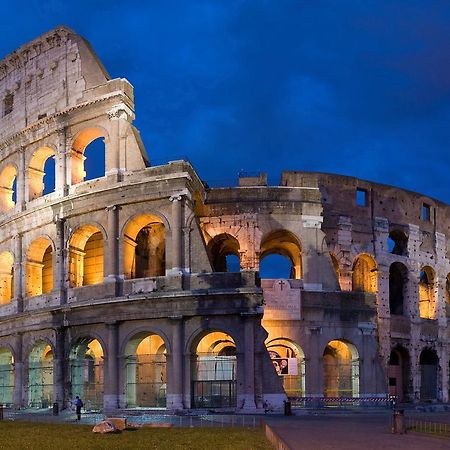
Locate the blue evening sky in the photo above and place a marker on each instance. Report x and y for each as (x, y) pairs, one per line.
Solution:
(360, 88)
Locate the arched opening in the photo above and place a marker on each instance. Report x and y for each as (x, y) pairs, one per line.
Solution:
(214, 371)
(6, 277)
(224, 253)
(6, 377)
(40, 376)
(86, 372)
(427, 295)
(428, 374)
(285, 244)
(86, 256)
(8, 188)
(399, 373)
(398, 277)
(146, 381)
(340, 370)
(447, 293)
(88, 155)
(337, 271)
(365, 274)
(41, 173)
(145, 247)
(397, 243)
(39, 268)
(289, 362)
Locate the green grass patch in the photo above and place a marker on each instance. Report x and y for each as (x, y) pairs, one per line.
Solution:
(32, 435)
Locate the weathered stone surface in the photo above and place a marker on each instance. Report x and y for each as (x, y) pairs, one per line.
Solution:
(105, 427)
(120, 423)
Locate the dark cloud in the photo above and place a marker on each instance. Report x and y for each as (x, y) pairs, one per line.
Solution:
(360, 88)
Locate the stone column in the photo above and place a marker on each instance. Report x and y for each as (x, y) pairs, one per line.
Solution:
(62, 164)
(176, 225)
(18, 371)
(175, 371)
(314, 364)
(246, 399)
(111, 386)
(59, 368)
(18, 272)
(21, 185)
(59, 270)
(112, 257)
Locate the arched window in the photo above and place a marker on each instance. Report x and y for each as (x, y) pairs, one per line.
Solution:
(8, 187)
(145, 247)
(86, 256)
(285, 244)
(40, 376)
(427, 294)
(6, 377)
(8, 103)
(41, 172)
(397, 243)
(6, 277)
(39, 268)
(88, 144)
(399, 373)
(429, 373)
(398, 277)
(146, 372)
(224, 253)
(365, 274)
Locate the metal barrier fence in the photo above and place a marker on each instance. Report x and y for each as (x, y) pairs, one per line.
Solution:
(324, 402)
(427, 427)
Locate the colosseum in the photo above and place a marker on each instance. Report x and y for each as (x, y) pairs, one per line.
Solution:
(141, 288)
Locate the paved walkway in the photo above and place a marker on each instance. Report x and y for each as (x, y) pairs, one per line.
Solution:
(352, 432)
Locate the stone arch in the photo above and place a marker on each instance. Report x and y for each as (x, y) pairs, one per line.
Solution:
(86, 255)
(144, 251)
(6, 376)
(86, 359)
(36, 171)
(213, 370)
(8, 188)
(427, 293)
(288, 359)
(39, 267)
(219, 248)
(399, 370)
(6, 277)
(40, 374)
(341, 369)
(365, 274)
(397, 242)
(145, 370)
(284, 243)
(429, 363)
(398, 282)
(81, 140)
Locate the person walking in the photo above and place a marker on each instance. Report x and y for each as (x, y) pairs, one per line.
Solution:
(78, 405)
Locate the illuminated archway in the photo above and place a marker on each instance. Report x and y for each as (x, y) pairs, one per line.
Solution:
(399, 373)
(429, 362)
(37, 173)
(6, 277)
(146, 371)
(213, 371)
(8, 187)
(39, 267)
(86, 256)
(427, 294)
(40, 376)
(221, 248)
(289, 362)
(6, 377)
(340, 370)
(79, 146)
(398, 279)
(365, 274)
(286, 244)
(144, 247)
(86, 372)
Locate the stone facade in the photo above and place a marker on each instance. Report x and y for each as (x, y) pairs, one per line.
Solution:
(117, 289)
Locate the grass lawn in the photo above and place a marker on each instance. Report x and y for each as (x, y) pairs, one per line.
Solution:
(40, 436)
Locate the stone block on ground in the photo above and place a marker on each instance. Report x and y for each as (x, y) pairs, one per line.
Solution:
(104, 427)
(119, 422)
